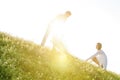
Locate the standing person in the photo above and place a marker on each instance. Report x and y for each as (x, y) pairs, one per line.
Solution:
(58, 31)
(59, 20)
(100, 57)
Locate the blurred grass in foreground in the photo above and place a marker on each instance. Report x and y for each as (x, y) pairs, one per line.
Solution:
(25, 60)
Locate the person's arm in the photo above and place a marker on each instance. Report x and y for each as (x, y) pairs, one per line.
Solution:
(95, 60)
(92, 56)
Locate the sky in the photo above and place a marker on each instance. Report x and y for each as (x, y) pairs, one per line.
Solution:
(92, 21)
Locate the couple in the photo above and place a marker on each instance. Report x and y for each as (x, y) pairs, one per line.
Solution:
(100, 57)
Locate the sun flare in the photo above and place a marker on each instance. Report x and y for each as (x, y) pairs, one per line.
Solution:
(91, 21)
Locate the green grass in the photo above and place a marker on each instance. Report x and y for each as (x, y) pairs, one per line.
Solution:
(25, 60)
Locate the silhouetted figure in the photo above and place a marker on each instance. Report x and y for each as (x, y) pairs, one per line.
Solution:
(59, 18)
(100, 57)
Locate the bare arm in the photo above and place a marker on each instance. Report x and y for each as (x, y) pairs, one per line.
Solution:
(92, 56)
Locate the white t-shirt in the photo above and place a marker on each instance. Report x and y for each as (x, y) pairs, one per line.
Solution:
(101, 57)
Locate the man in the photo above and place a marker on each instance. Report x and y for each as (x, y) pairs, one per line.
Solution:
(59, 20)
(100, 57)
(58, 30)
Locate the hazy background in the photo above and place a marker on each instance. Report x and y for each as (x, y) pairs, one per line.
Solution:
(92, 21)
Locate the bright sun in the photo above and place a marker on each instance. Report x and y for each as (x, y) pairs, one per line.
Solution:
(87, 25)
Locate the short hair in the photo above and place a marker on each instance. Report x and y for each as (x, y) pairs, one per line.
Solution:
(68, 13)
(99, 45)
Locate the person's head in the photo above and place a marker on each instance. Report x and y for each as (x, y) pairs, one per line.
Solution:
(98, 46)
(68, 13)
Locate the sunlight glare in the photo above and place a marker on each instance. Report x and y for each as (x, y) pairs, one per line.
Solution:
(62, 62)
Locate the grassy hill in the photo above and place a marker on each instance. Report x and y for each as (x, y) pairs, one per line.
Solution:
(25, 60)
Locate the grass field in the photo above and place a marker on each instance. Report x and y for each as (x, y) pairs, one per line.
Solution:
(25, 60)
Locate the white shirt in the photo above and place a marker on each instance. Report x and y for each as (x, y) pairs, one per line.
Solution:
(101, 57)
(58, 27)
